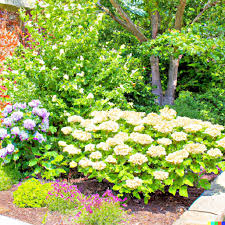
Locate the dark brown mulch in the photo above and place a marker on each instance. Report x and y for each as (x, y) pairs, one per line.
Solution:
(163, 208)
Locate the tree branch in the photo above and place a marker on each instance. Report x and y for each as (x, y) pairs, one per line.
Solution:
(207, 6)
(180, 14)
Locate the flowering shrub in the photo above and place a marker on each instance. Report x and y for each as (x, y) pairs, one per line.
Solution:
(65, 197)
(3, 97)
(142, 153)
(23, 132)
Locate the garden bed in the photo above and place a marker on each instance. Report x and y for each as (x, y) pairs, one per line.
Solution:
(163, 208)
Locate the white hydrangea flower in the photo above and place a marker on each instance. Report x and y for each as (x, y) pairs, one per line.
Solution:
(155, 151)
(71, 149)
(75, 119)
(221, 142)
(122, 149)
(109, 126)
(195, 148)
(164, 141)
(164, 127)
(212, 132)
(103, 146)
(62, 143)
(90, 148)
(115, 114)
(96, 155)
(111, 159)
(66, 130)
(84, 163)
(98, 165)
(193, 128)
(134, 183)
(139, 128)
(81, 135)
(215, 152)
(121, 136)
(168, 114)
(114, 141)
(73, 164)
(138, 159)
(152, 119)
(177, 157)
(179, 136)
(160, 175)
(143, 139)
(90, 96)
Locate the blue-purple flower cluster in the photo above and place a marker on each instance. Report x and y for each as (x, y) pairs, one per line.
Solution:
(23, 122)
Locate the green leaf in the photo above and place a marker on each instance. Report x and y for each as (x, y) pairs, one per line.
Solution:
(172, 190)
(116, 187)
(33, 162)
(188, 179)
(16, 156)
(195, 168)
(47, 147)
(204, 183)
(136, 195)
(37, 170)
(183, 191)
(180, 172)
(168, 181)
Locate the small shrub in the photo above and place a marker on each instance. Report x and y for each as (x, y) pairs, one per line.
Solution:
(9, 175)
(32, 193)
(141, 153)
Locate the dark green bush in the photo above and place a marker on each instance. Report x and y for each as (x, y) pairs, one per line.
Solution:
(208, 106)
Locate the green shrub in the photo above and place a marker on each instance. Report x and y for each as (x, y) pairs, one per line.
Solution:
(141, 153)
(208, 106)
(9, 175)
(110, 213)
(32, 193)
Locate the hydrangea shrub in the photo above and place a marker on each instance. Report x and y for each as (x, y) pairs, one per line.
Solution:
(142, 153)
(23, 131)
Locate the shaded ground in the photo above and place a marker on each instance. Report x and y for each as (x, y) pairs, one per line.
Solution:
(163, 208)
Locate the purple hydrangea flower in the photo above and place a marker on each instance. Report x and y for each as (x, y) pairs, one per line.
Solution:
(34, 103)
(15, 131)
(23, 136)
(7, 122)
(10, 148)
(16, 116)
(8, 109)
(3, 133)
(19, 106)
(41, 112)
(45, 125)
(39, 137)
(3, 152)
(29, 124)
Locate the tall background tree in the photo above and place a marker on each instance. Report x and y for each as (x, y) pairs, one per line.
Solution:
(169, 30)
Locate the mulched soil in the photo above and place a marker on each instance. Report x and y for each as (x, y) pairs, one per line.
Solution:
(163, 208)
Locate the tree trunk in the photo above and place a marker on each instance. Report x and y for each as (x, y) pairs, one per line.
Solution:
(172, 81)
(156, 81)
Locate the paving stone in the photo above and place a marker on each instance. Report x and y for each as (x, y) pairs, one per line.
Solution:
(3, 209)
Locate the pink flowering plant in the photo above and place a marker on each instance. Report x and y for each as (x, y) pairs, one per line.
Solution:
(24, 134)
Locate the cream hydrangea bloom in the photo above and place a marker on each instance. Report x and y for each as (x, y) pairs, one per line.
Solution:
(221, 142)
(132, 114)
(99, 116)
(115, 114)
(177, 157)
(62, 143)
(96, 155)
(81, 135)
(98, 165)
(71, 149)
(122, 149)
(87, 122)
(66, 130)
(114, 141)
(122, 136)
(167, 113)
(160, 175)
(164, 127)
(134, 183)
(111, 159)
(109, 126)
(139, 128)
(75, 119)
(143, 139)
(135, 121)
(85, 162)
(73, 164)
(214, 152)
(152, 119)
(212, 132)
(195, 148)
(164, 141)
(193, 128)
(138, 159)
(179, 136)
(155, 151)
(90, 148)
(103, 146)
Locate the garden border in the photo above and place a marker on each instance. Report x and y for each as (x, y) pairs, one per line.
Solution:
(208, 207)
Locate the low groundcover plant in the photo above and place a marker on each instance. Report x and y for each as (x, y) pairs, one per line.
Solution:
(142, 153)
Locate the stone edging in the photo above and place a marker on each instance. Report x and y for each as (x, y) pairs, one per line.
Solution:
(210, 206)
